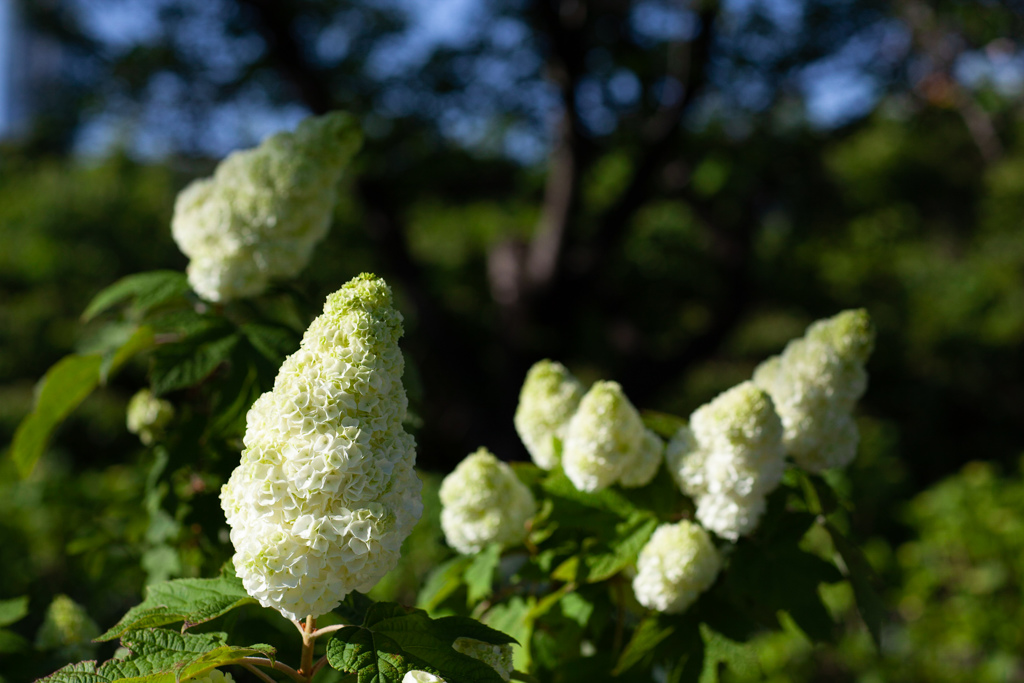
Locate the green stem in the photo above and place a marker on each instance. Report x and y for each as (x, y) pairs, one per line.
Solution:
(308, 640)
(259, 674)
(277, 666)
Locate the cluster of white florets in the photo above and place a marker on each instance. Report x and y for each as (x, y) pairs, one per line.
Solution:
(326, 492)
(729, 459)
(815, 383)
(263, 211)
(148, 415)
(484, 502)
(606, 442)
(676, 565)
(498, 657)
(547, 401)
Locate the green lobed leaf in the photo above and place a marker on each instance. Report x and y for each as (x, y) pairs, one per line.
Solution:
(189, 361)
(720, 652)
(63, 387)
(607, 559)
(393, 640)
(147, 289)
(863, 579)
(274, 342)
(479, 575)
(13, 610)
(516, 618)
(141, 339)
(770, 572)
(645, 638)
(445, 580)
(161, 656)
(192, 601)
(11, 642)
(580, 506)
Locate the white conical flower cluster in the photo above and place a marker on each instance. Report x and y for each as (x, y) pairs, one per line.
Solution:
(484, 502)
(547, 401)
(326, 492)
(498, 657)
(606, 442)
(147, 415)
(815, 384)
(678, 563)
(263, 211)
(729, 459)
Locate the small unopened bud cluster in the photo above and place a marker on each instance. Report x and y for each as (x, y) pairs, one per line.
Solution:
(815, 383)
(326, 492)
(263, 211)
(678, 563)
(484, 502)
(729, 459)
(147, 415)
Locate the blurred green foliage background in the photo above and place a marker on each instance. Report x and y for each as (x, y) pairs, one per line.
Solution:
(649, 192)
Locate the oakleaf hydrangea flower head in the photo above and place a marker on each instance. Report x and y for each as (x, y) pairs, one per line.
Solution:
(547, 401)
(498, 657)
(148, 415)
(815, 383)
(326, 492)
(483, 502)
(421, 677)
(260, 215)
(729, 459)
(678, 563)
(68, 629)
(605, 441)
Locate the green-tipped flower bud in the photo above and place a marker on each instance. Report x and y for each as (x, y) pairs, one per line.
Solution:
(484, 502)
(547, 401)
(67, 629)
(498, 657)
(148, 415)
(678, 563)
(263, 211)
(729, 459)
(815, 383)
(604, 439)
(326, 492)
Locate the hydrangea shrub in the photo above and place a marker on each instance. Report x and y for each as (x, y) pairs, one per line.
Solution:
(594, 561)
